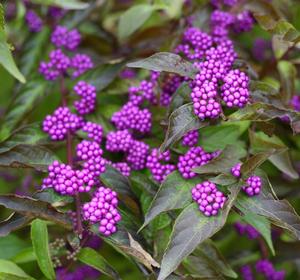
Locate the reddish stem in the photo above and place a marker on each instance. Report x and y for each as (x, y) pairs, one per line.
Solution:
(64, 94)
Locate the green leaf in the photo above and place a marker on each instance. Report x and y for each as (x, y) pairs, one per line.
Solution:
(208, 262)
(51, 196)
(6, 59)
(27, 156)
(174, 193)
(32, 208)
(281, 159)
(190, 229)
(65, 4)
(32, 51)
(143, 182)
(28, 135)
(9, 267)
(24, 101)
(181, 121)
(11, 245)
(221, 164)
(288, 74)
(40, 243)
(92, 258)
(24, 256)
(13, 222)
(262, 225)
(279, 212)
(219, 136)
(168, 62)
(2, 19)
(132, 19)
(9, 276)
(101, 76)
(180, 97)
(113, 179)
(255, 161)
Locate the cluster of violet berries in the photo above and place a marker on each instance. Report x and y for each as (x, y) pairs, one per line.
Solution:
(253, 184)
(208, 198)
(60, 64)
(156, 165)
(245, 229)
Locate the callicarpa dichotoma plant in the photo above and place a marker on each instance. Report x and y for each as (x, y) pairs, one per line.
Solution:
(149, 139)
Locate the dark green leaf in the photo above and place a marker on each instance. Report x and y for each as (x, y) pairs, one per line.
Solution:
(52, 197)
(288, 73)
(32, 208)
(190, 229)
(9, 268)
(280, 212)
(221, 164)
(65, 4)
(25, 100)
(168, 62)
(223, 179)
(92, 258)
(32, 51)
(24, 256)
(40, 243)
(6, 59)
(113, 179)
(13, 222)
(26, 135)
(132, 19)
(262, 225)
(11, 245)
(143, 182)
(27, 156)
(255, 161)
(181, 121)
(258, 87)
(174, 193)
(103, 75)
(180, 97)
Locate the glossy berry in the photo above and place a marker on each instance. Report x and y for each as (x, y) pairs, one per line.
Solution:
(253, 186)
(102, 209)
(94, 131)
(80, 63)
(190, 139)
(266, 268)
(87, 103)
(169, 87)
(236, 170)
(118, 141)
(34, 22)
(194, 157)
(137, 155)
(156, 165)
(62, 37)
(86, 150)
(235, 90)
(243, 22)
(123, 167)
(58, 65)
(132, 117)
(60, 123)
(209, 198)
(248, 230)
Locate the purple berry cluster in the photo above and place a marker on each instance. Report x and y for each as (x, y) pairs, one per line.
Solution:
(209, 199)
(248, 230)
(60, 64)
(253, 183)
(123, 167)
(191, 138)
(102, 209)
(266, 268)
(118, 141)
(62, 37)
(158, 169)
(60, 123)
(67, 181)
(194, 157)
(170, 84)
(91, 153)
(132, 117)
(87, 103)
(295, 103)
(34, 22)
(246, 272)
(94, 131)
(137, 155)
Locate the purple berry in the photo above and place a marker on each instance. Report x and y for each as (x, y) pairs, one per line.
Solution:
(209, 198)
(87, 103)
(118, 141)
(137, 155)
(94, 131)
(253, 186)
(80, 63)
(62, 37)
(34, 22)
(190, 139)
(236, 170)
